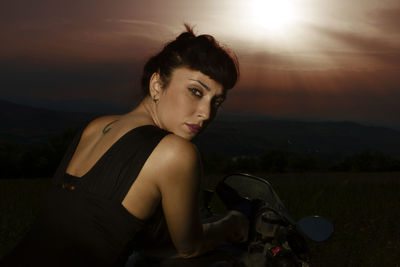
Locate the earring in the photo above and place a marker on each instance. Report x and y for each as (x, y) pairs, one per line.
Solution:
(155, 100)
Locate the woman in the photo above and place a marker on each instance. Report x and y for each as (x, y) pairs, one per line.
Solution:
(123, 175)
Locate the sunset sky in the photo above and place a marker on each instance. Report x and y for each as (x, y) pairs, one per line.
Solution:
(305, 59)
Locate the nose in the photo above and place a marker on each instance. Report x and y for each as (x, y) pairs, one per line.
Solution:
(204, 110)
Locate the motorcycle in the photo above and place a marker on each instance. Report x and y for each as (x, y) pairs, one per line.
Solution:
(275, 239)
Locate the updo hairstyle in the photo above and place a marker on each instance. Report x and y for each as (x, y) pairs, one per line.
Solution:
(201, 53)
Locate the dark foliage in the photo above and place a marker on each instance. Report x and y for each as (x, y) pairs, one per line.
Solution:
(41, 160)
(369, 160)
(279, 161)
(33, 161)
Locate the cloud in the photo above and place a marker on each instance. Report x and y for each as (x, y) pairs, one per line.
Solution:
(377, 48)
(89, 49)
(367, 107)
(387, 19)
(115, 42)
(95, 29)
(84, 11)
(146, 29)
(116, 81)
(356, 40)
(144, 23)
(342, 95)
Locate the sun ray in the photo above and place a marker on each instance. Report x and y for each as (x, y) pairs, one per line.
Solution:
(272, 15)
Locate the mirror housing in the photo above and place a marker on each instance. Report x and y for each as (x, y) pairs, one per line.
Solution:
(316, 228)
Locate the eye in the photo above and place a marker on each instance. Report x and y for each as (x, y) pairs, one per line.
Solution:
(196, 92)
(218, 102)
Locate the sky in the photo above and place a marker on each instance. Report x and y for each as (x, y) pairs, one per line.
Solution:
(304, 59)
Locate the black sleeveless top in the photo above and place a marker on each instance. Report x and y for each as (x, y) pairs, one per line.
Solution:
(82, 221)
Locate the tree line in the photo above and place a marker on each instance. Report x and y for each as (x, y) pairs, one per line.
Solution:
(41, 160)
(34, 160)
(279, 161)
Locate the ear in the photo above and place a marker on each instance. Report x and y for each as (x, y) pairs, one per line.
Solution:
(155, 85)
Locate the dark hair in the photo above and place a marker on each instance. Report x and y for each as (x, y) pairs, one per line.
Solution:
(202, 53)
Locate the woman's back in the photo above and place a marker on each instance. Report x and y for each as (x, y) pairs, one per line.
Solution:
(83, 221)
(97, 138)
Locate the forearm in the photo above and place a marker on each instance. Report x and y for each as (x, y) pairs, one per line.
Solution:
(214, 233)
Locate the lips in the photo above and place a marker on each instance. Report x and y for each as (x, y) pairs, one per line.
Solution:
(193, 128)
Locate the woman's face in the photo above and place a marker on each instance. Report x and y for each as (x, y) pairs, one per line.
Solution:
(189, 102)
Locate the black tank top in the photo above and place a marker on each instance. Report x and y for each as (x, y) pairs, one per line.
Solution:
(82, 221)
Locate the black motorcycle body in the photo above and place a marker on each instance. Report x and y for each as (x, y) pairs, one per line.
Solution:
(275, 239)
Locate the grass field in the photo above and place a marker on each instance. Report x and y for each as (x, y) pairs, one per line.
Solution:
(19, 201)
(364, 207)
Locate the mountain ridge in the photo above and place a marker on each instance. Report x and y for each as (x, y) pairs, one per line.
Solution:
(239, 134)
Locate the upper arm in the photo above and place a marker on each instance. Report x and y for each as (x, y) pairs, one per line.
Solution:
(178, 181)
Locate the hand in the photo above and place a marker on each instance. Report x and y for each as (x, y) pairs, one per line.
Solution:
(240, 227)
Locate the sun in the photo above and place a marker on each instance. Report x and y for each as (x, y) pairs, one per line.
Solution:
(273, 15)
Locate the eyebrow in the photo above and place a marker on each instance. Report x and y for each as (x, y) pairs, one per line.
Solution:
(202, 84)
(206, 87)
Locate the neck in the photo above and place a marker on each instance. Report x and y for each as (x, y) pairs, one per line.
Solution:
(147, 110)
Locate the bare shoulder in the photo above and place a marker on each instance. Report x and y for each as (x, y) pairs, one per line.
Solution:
(176, 148)
(176, 158)
(98, 124)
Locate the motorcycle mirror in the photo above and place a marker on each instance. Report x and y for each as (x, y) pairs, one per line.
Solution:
(316, 228)
(253, 187)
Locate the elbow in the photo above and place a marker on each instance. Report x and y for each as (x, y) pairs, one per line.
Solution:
(189, 253)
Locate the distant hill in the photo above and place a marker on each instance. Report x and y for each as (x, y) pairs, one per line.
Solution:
(324, 138)
(25, 124)
(230, 135)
